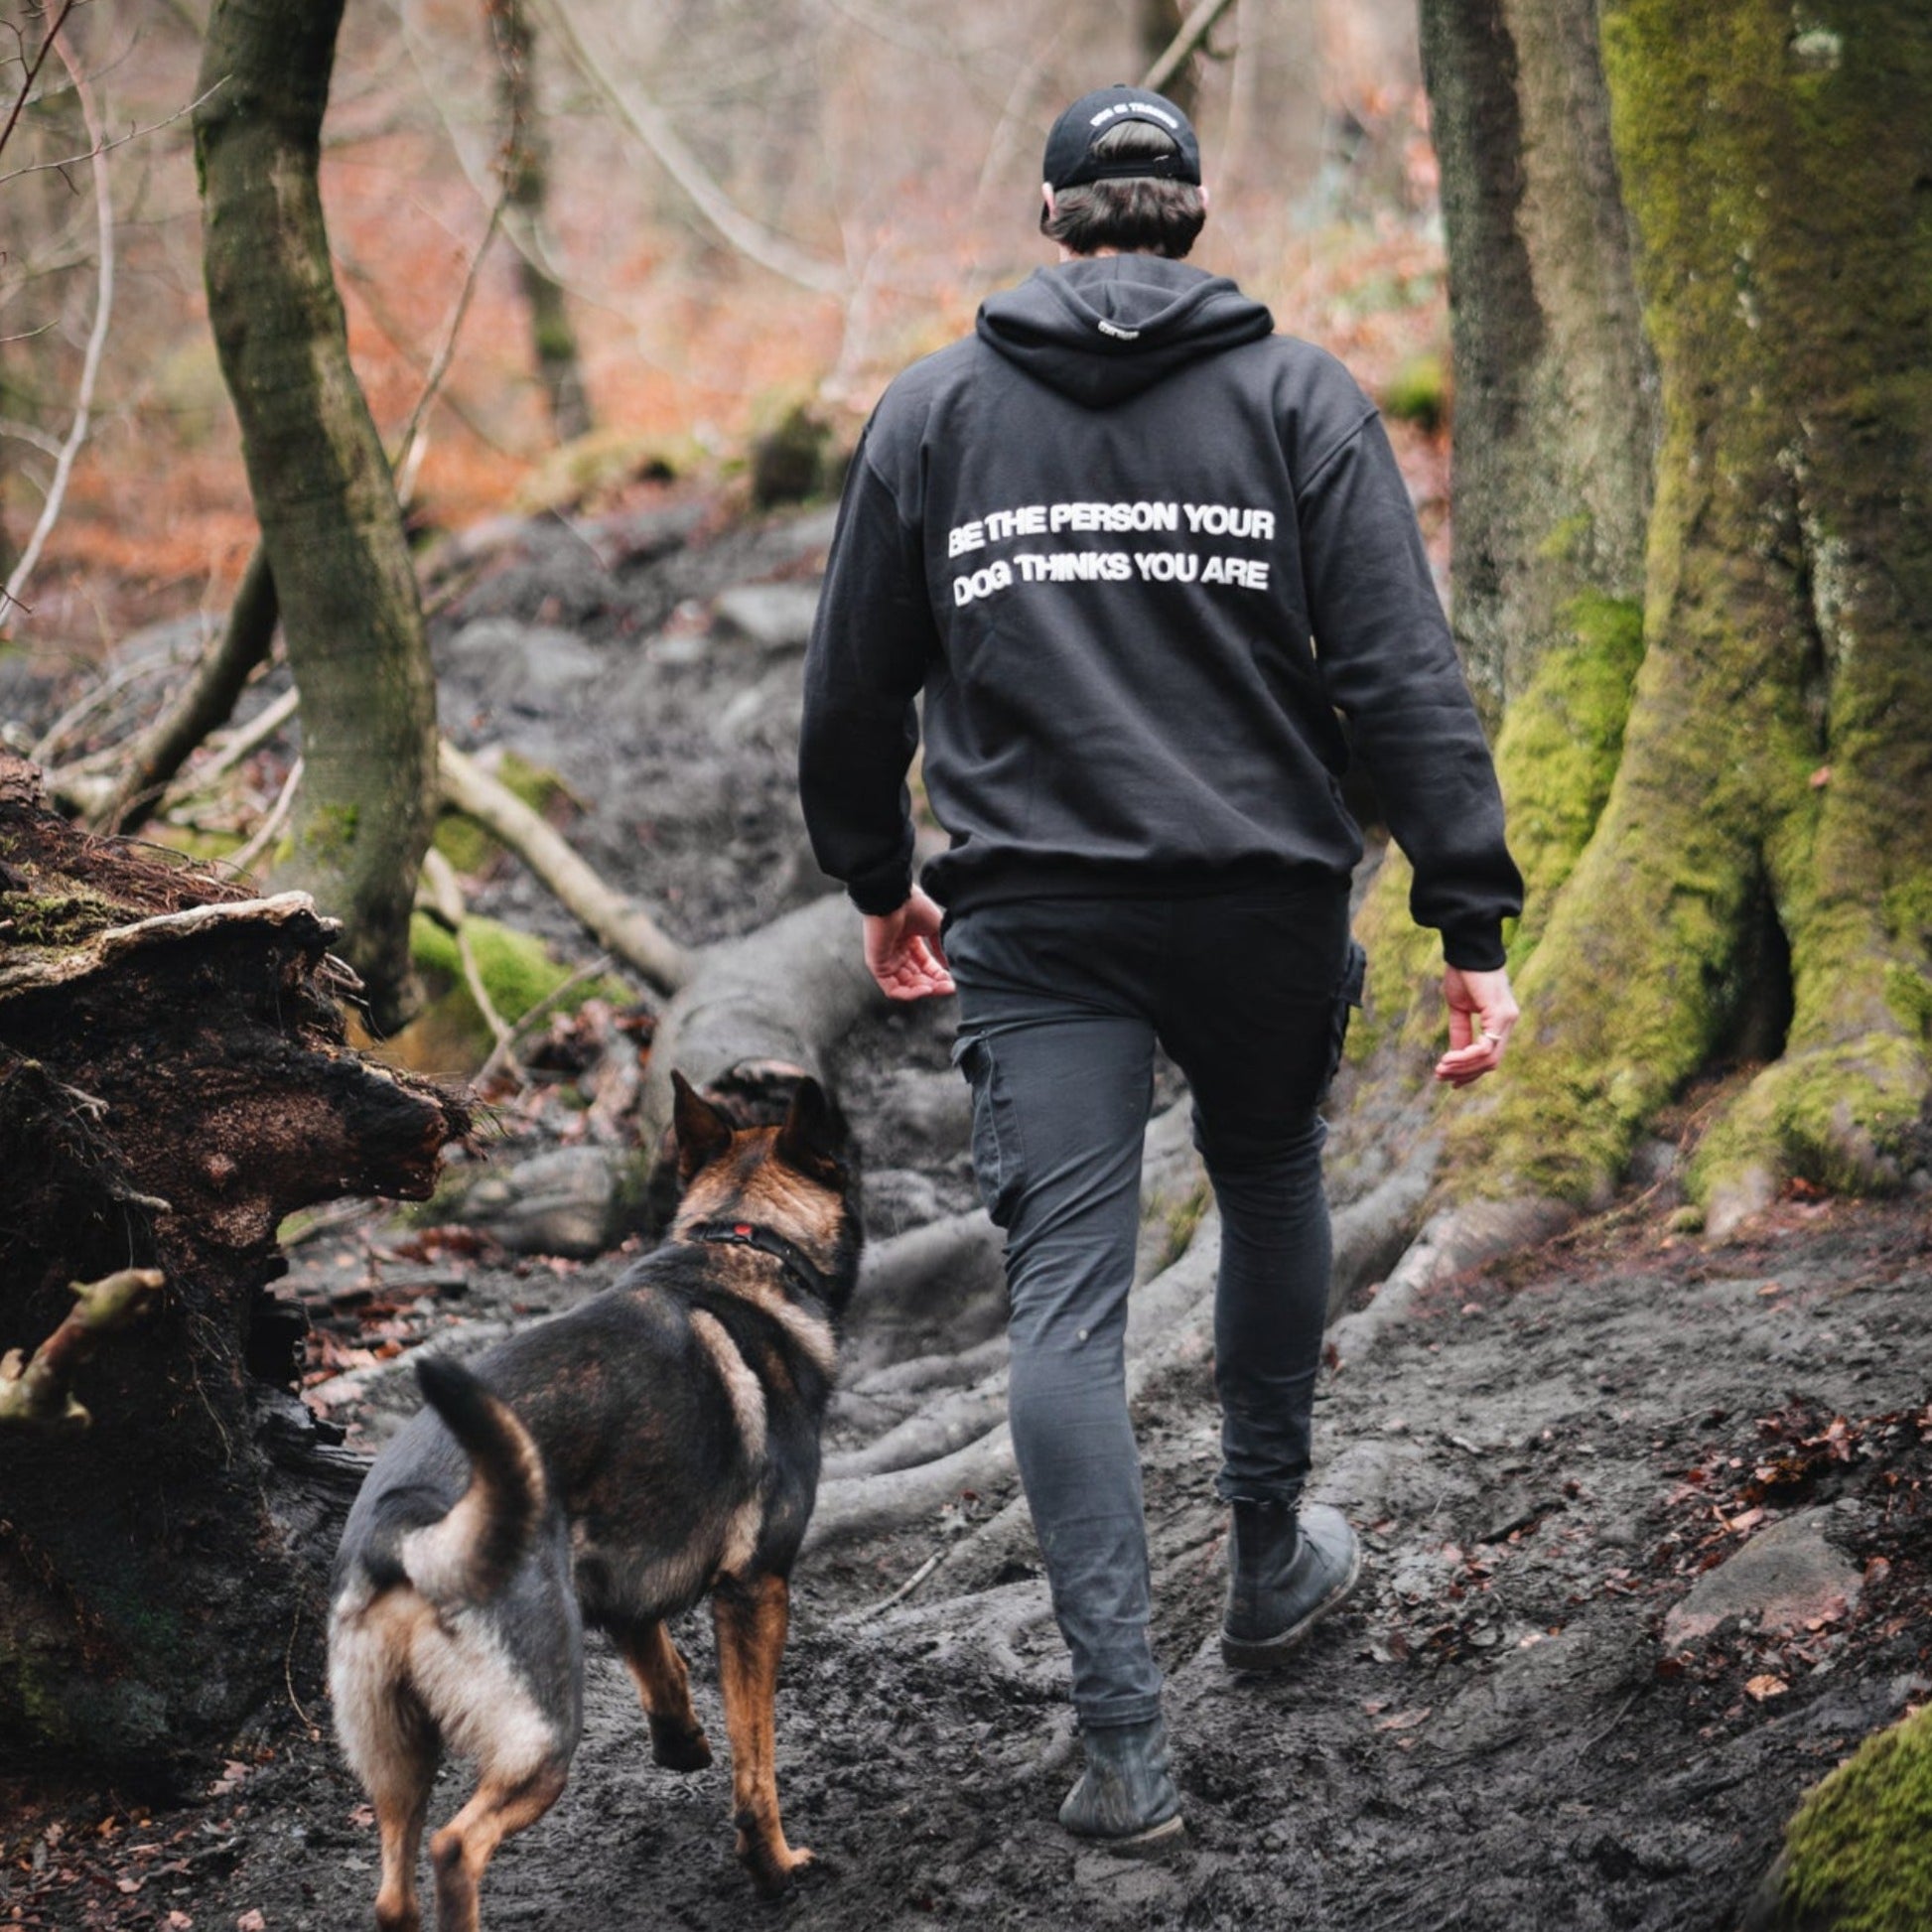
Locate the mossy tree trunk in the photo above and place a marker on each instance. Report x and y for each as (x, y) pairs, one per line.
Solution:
(527, 184)
(1767, 844)
(321, 483)
(1555, 429)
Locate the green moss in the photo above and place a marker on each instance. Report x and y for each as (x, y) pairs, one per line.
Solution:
(1559, 750)
(1859, 1851)
(58, 918)
(1839, 1115)
(467, 846)
(791, 457)
(590, 469)
(518, 972)
(1419, 392)
(1183, 1219)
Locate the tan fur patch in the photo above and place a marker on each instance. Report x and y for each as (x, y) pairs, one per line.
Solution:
(455, 1667)
(744, 1388)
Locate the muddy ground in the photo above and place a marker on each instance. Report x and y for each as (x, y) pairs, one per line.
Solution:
(1545, 1458)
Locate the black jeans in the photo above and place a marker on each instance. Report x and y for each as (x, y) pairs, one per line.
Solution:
(1062, 1003)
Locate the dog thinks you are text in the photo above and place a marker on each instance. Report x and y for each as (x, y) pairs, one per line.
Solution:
(1166, 564)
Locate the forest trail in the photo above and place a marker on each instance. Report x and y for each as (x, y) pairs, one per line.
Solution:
(1496, 1733)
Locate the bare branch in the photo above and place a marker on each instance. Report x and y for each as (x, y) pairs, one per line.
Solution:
(34, 69)
(618, 923)
(277, 816)
(96, 341)
(445, 897)
(404, 463)
(648, 122)
(39, 1391)
(1194, 29)
(120, 140)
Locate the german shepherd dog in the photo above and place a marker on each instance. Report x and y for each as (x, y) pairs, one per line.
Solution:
(609, 1466)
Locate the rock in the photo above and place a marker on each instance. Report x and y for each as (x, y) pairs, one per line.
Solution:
(898, 1199)
(1530, 1685)
(527, 667)
(772, 617)
(568, 1202)
(1785, 1577)
(921, 1115)
(1654, 1162)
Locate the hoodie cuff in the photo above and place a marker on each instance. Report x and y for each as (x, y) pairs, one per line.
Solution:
(878, 893)
(1475, 948)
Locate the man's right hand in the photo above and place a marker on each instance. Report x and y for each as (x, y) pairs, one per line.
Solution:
(1481, 1011)
(902, 951)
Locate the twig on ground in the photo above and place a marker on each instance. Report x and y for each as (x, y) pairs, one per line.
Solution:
(557, 992)
(266, 831)
(904, 1589)
(445, 896)
(617, 922)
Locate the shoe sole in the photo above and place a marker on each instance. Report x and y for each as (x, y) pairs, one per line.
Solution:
(1240, 1654)
(1154, 1843)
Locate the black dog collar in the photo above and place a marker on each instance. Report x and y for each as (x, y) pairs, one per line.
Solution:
(748, 1235)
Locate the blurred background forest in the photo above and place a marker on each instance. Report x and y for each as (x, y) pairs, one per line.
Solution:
(884, 156)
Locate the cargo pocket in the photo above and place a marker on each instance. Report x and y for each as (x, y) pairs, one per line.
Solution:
(1348, 997)
(995, 1165)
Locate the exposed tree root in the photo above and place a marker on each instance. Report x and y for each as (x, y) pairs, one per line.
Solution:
(37, 1390)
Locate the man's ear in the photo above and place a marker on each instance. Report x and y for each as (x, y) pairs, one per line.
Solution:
(1204, 196)
(813, 1137)
(703, 1131)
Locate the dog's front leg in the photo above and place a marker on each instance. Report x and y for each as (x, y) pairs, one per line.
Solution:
(750, 1617)
(677, 1739)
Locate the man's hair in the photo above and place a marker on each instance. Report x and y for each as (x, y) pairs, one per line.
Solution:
(1142, 214)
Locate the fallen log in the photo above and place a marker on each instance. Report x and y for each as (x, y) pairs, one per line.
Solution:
(174, 1081)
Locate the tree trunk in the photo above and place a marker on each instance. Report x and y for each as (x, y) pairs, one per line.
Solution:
(1555, 429)
(1767, 850)
(527, 184)
(172, 1082)
(322, 488)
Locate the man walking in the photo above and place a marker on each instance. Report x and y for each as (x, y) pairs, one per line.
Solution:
(1138, 551)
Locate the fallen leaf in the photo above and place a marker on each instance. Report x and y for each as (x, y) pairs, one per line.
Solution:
(1766, 1686)
(251, 1921)
(1405, 1719)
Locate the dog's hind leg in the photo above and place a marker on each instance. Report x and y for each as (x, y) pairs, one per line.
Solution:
(401, 1806)
(751, 1618)
(464, 1846)
(677, 1739)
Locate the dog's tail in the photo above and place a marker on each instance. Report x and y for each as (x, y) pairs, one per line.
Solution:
(472, 1553)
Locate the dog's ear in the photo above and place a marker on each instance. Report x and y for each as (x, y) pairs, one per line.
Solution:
(812, 1139)
(703, 1131)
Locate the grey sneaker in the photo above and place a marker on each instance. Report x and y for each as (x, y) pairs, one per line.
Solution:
(1126, 1800)
(1286, 1570)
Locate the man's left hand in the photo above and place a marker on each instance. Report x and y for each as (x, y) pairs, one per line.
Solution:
(902, 951)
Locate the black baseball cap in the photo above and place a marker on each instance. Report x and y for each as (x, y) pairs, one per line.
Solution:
(1070, 159)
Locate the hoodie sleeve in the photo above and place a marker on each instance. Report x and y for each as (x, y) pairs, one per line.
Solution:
(1389, 665)
(871, 643)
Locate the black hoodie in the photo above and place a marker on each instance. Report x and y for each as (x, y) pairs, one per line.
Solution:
(1138, 551)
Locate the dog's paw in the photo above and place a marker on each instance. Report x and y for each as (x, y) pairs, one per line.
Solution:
(679, 1750)
(775, 1870)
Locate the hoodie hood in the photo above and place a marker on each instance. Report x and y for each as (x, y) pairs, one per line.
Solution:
(1103, 328)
